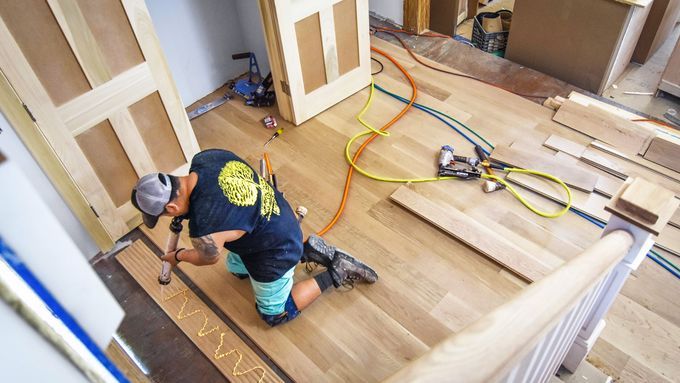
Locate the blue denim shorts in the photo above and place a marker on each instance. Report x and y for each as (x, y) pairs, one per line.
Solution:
(272, 299)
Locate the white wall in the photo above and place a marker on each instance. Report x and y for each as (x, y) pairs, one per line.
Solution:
(249, 16)
(13, 148)
(391, 9)
(198, 38)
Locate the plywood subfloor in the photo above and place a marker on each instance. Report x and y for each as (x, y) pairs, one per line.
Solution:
(431, 285)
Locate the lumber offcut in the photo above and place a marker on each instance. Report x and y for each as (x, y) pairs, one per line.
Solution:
(605, 126)
(232, 357)
(645, 199)
(456, 223)
(636, 206)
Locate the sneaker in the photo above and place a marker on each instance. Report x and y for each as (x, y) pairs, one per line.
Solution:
(345, 270)
(318, 251)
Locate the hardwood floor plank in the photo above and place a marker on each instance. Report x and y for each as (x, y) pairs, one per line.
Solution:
(474, 234)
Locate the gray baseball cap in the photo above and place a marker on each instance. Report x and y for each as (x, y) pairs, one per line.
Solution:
(150, 195)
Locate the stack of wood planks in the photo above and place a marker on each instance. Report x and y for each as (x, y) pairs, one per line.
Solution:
(627, 132)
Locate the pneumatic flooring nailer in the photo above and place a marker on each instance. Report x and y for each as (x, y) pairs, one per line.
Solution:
(171, 245)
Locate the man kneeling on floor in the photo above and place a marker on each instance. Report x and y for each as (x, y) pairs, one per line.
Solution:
(228, 204)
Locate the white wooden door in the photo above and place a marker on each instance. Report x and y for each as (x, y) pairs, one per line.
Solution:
(319, 52)
(93, 76)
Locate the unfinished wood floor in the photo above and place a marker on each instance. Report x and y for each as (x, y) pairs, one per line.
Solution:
(431, 285)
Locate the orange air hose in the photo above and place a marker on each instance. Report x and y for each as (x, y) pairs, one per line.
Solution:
(348, 180)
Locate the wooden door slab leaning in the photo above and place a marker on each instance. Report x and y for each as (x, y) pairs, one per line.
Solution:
(319, 53)
(98, 88)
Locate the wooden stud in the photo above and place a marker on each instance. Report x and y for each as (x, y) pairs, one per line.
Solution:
(417, 15)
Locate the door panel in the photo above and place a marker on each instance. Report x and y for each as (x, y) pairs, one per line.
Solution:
(347, 35)
(52, 61)
(152, 121)
(112, 31)
(308, 34)
(319, 53)
(110, 162)
(101, 93)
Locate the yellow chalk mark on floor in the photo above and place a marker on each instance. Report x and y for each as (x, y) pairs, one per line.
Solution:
(202, 332)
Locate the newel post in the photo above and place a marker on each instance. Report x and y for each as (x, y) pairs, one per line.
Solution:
(642, 209)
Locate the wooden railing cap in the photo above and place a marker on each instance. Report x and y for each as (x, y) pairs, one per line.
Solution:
(644, 204)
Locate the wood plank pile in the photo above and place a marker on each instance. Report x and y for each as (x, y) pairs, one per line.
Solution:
(621, 148)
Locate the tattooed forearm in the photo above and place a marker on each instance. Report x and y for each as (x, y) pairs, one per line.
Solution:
(206, 247)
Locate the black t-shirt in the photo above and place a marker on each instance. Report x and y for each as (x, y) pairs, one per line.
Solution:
(230, 195)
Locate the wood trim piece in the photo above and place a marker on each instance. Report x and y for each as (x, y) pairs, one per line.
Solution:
(12, 107)
(17, 70)
(81, 40)
(93, 107)
(141, 23)
(225, 350)
(417, 15)
(474, 234)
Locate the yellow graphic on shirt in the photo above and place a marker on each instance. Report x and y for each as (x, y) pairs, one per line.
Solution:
(236, 181)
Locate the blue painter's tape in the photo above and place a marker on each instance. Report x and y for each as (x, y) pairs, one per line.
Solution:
(57, 309)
